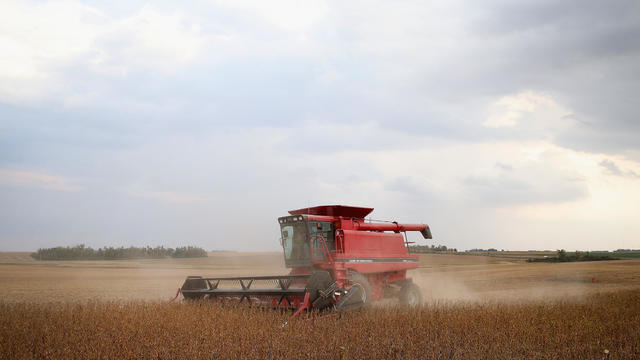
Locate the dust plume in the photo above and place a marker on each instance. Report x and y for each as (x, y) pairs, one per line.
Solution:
(504, 284)
(440, 287)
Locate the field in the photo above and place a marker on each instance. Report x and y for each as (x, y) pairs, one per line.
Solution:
(475, 307)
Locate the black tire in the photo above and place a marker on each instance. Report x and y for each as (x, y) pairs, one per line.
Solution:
(359, 280)
(319, 281)
(193, 283)
(410, 294)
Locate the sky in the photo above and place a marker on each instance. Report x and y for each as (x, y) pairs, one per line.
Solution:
(511, 125)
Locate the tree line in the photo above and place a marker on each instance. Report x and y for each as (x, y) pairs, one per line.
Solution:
(563, 256)
(426, 249)
(82, 252)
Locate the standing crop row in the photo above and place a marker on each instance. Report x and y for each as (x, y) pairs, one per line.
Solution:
(606, 325)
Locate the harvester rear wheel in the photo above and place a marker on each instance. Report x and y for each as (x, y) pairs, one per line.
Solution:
(359, 280)
(410, 294)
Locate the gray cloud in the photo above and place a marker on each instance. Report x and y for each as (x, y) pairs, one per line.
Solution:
(504, 167)
(586, 56)
(613, 169)
(507, 190)
(414, 190)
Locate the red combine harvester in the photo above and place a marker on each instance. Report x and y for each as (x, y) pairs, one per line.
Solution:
(338, 261)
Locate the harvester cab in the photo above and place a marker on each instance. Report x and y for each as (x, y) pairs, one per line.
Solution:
(338, 260)
(305, 240)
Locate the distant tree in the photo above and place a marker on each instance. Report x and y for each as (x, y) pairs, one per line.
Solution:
(562, 255)
(189, 251)
(426, 249)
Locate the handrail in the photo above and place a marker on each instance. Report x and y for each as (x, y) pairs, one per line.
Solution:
(324, 248)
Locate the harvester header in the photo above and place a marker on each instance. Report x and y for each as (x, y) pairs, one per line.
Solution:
(338, 260)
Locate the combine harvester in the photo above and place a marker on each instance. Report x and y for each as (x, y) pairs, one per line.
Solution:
(338, 261)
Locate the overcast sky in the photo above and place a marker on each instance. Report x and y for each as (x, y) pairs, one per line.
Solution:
(506, 124)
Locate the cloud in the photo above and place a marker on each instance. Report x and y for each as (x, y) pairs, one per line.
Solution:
(149, 39)
(168, 196)
(504, 167)
(37, 180)
(37, 45)
(411, 189)
(497, 116)
(289, 15)
(186, 187)
(613, 169)
(46, 42)
(445, 64)
(458, 70)
(509, 190)
(510, 110)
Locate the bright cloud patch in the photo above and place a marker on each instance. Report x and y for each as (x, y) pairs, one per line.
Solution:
(43, 41)
(508, 111)
(37, 180)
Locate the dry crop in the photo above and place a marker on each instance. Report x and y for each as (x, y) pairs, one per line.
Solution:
(601, 326)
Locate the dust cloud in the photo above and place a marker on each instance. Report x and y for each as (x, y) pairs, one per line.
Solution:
(440, 287)
(446, 287)
(442, 279)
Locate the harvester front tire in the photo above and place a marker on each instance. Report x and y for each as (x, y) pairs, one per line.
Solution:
(193, 283)
(360, 280)
(319, 281)
(410, 294)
